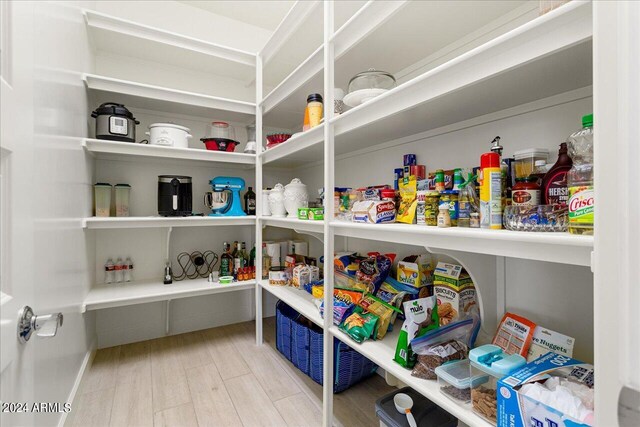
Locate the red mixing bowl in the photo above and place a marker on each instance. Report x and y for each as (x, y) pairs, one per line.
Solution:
(219, 144)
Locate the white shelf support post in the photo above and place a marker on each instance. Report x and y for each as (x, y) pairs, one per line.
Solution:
(329, 158)
(258, 260)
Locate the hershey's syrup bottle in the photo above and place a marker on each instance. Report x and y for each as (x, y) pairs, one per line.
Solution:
(554, 184)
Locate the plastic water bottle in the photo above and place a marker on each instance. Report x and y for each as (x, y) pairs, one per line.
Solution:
(580, 179)
(109, 271)
(119, 270)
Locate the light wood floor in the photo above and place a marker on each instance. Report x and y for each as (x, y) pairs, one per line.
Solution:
(215, 377)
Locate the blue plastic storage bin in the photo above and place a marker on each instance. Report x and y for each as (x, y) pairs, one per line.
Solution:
(302, 345)
(285, 316)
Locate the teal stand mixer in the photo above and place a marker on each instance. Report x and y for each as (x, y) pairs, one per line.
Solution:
(224, 199)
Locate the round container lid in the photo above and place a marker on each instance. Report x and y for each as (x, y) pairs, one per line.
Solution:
(169, 125)
(587, 121)
(102, 184)
(123, 185)
(458, 374)
(531, 152)
(314, 97)
(113, 108)
(527, 179)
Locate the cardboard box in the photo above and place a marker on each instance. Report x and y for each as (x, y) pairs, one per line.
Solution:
(454, 290)
(416, 274)
(518, 410)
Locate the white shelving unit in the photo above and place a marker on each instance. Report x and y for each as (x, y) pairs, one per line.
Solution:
(294, 224)
(131, 293)
(168, 100)
(553, 247)
(95, 223)
(540, 58)
(123, 37)
(114, 150)
(298, 298)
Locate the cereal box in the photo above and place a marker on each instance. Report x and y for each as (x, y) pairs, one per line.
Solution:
(454, 291)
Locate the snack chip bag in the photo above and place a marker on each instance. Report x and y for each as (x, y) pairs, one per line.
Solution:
(373, 270)
(408, 201)
(421, 316)
(344, 303)
(381, 309)
(359, 325)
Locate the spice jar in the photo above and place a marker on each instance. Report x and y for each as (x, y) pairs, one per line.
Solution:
(421, 207)
(450, 199)
(431, 203)
(526, 192)
(439, 180)
(444, 219)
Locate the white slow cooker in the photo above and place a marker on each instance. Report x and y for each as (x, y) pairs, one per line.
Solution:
(169, 135)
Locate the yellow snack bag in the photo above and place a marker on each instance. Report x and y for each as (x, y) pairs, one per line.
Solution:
(408, 190)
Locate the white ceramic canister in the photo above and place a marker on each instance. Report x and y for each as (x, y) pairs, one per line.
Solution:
(295, 196)
(276, 201)
(266, 210)
(169, 135)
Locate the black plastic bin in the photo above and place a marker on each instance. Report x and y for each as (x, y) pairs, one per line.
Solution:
(426, 413)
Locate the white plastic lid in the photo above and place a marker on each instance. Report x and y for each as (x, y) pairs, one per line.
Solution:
(540, 163)
(169, 125)
(458, 374)
(531, 152)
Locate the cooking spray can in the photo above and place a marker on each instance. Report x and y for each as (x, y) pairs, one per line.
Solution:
(490, 179)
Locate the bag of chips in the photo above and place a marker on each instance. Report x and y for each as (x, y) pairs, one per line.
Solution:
(344, 303)
(360, 326)
(373, 270)
(381, 309)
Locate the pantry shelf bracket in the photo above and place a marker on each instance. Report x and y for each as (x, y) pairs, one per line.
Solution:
(319, 236)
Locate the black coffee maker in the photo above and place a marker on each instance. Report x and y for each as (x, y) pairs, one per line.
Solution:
(175, 195)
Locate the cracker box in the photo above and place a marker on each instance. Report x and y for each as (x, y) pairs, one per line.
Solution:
(455, 292)
(418, 273)
(373, 212)
(518, 410)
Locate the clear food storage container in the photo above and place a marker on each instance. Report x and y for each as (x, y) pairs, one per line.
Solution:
(102, 199)
(491, 362)
(526, 159)
(455, 380)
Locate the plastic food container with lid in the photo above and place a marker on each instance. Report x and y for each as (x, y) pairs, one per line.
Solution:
(492, 360)
(526, 159)
(455, 380)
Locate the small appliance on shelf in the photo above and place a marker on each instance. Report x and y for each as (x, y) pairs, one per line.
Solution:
(221, 137)
(224, 199)
(169, 135)
(175, 195)
(367, 85)
(115, 122)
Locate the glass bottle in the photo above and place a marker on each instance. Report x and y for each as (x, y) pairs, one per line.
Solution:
(250, 202)
(580, 179)
(237, 260)
(226, 261)
(252, 256)
(245, 255)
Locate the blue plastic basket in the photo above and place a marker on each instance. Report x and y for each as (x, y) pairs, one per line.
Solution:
(285, 316)
(350, 366)
(300, 346)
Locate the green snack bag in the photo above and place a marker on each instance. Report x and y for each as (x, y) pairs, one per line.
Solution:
(359, 326)
(421, 316)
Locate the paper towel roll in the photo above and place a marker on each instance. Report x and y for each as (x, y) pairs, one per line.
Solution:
(290, 247)
(273, 250)
(301, 247)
